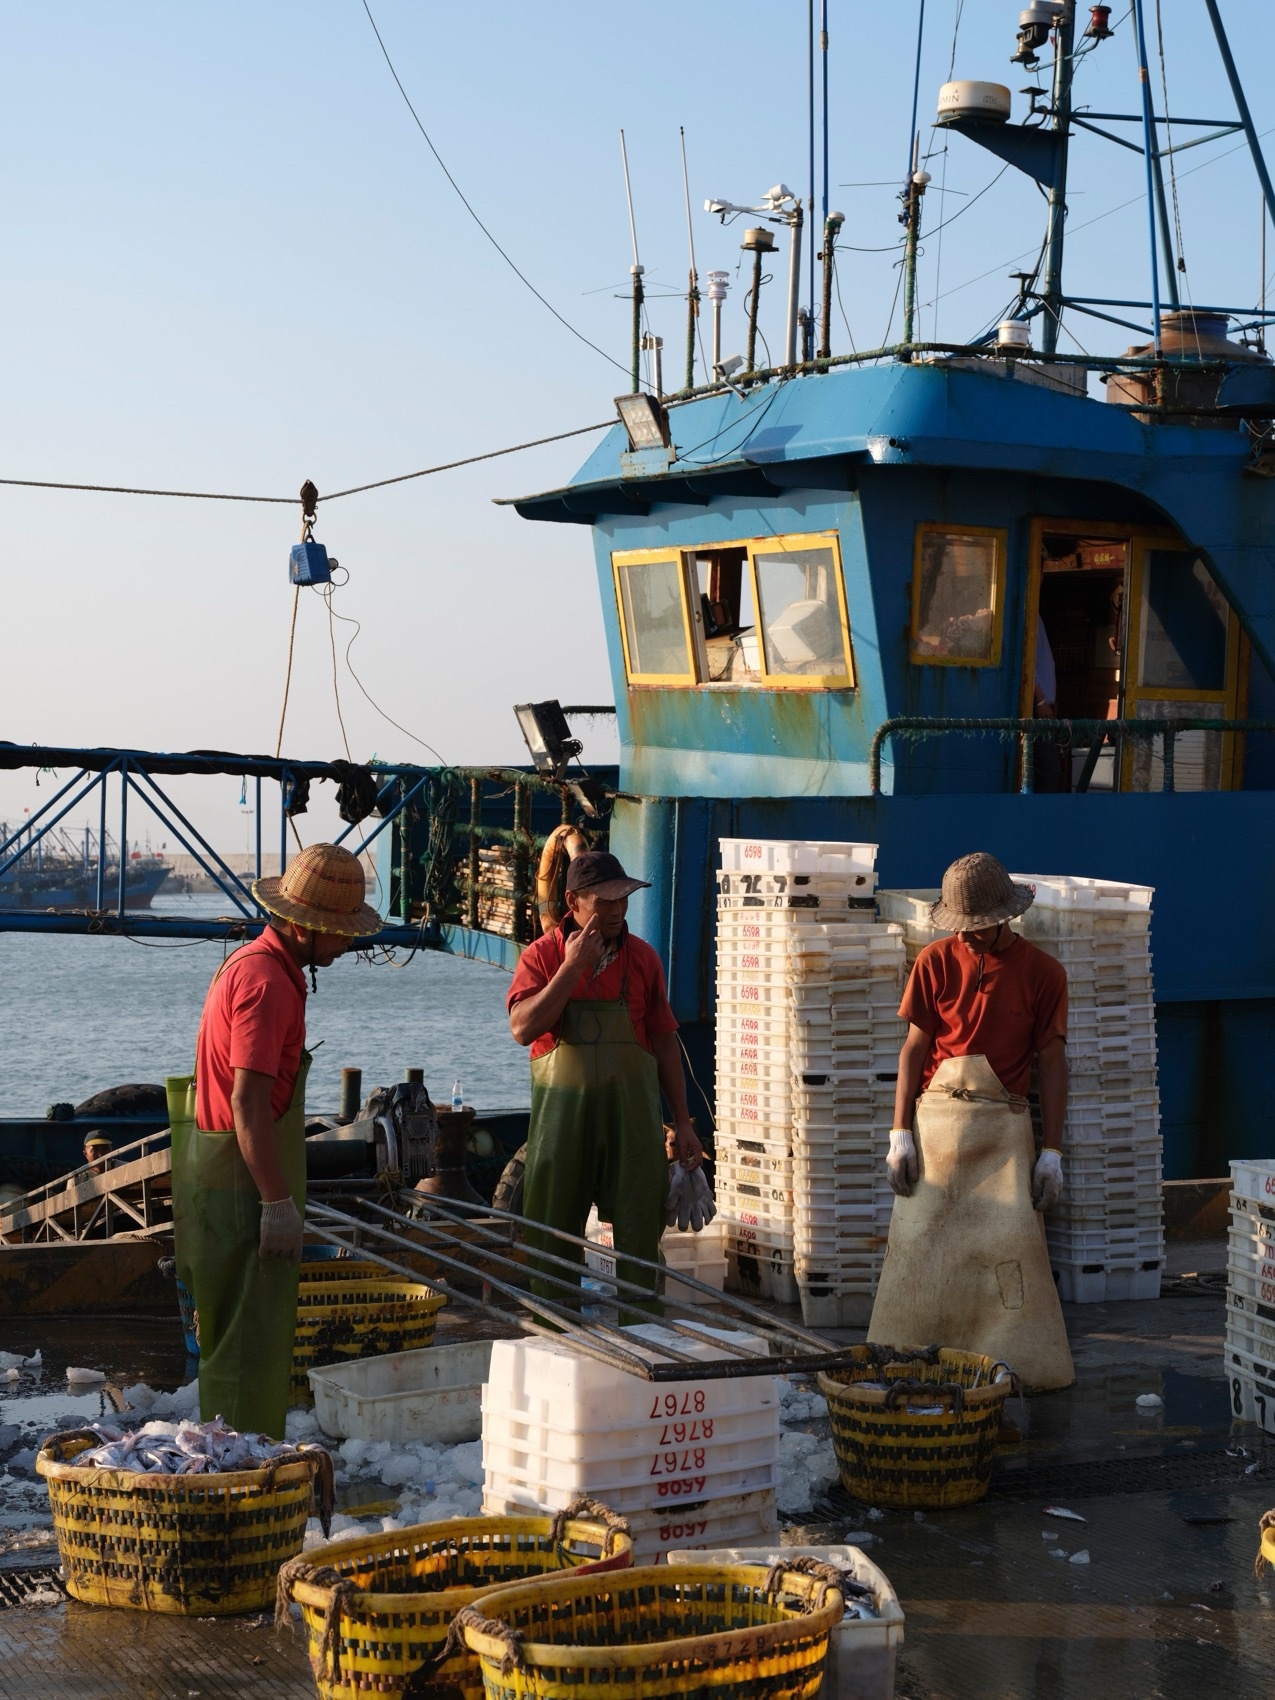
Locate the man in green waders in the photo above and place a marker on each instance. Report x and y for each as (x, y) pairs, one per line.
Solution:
(590, 1000)
(238, 1129)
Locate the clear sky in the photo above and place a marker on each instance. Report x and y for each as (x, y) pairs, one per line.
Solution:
(232, 263)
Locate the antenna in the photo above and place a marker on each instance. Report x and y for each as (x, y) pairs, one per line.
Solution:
(635, 272)
(692, 294)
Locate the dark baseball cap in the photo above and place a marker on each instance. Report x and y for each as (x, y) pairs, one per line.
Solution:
(599, 872)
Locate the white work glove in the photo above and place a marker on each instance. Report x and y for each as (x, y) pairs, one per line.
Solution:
(901, 1163)
(281, 1230)
(703, 1205)
(1047, 1180)
(677, 1206)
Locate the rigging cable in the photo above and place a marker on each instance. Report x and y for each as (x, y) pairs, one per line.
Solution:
(1025, 254)
(521, 276)
(291, 501)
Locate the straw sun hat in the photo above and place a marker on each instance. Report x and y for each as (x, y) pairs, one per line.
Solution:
(324, 889)
(977, 892)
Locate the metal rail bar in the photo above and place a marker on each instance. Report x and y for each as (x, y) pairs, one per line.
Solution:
(932, 726)
(457, 1211)
(790, 1347)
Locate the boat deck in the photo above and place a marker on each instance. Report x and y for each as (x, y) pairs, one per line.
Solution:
(1167, 1604)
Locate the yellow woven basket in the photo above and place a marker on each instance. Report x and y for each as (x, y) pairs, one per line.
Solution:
(660, 1632)
(351, 1310)
(205, 1545)
(1266, 1553)
(376, 1609)
(894, 1447)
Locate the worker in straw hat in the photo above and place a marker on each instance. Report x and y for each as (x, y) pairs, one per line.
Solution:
(589, 999)
(966, 1265)
(238, 1127)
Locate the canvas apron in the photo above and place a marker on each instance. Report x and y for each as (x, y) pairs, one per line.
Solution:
(596, 1137)
(247, 1304)
(967, 1265)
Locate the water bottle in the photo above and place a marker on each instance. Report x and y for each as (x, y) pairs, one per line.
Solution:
(458, 1098)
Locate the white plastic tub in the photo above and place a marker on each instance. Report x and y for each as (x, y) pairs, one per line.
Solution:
(796, 856)
(862, 1651)
(433, 1394)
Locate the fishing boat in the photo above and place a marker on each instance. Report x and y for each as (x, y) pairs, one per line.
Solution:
(828, 586)
(41, 874)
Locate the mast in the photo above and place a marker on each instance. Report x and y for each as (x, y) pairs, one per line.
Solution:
(1052, 299)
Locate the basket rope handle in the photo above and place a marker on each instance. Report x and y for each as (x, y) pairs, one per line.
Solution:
(328, 1658)
(469, 1618)
(614, 1523)
(879, 1356)
(902, 1389)
(831, 1575)
(58, 1443)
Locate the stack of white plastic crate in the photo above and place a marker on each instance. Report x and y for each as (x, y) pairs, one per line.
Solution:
(807, 1044)
(1250, 1295)
(689, 1463)
(1106, 1234)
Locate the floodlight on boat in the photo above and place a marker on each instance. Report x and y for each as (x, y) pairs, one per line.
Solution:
(645, 420)
(548, 737)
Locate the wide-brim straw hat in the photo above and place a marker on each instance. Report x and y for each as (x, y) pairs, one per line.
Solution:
(323, 888)
(977, 892)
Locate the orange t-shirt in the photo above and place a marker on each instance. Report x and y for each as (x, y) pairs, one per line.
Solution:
(254, 1017)
(1007, 1014)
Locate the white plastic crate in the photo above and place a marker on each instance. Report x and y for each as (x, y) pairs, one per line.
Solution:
(1251, 1402)
(1246, 1323)
(738, 1517)
(751, 1218)
(796, 856)
(759, 1271)
(1253, 1179)
(1071, 892)
(768, 1157)
(769, 1102)
(547, 1381)
(837, 1310)
(1086, 1284)
(431, 1392)
(646, 1495)
(736, 1450)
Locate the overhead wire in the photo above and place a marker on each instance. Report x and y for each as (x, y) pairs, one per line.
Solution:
(291, 501)
(520, 275)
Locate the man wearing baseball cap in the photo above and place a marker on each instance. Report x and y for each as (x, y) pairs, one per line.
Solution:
(238, 1127)
(589, 999)
(966, 1265)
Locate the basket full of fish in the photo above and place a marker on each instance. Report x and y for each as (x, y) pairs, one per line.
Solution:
(182, 1517)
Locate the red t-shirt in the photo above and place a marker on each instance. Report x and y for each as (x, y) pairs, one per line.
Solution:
(1008, 1014)
(635, 961)
(254, 1017)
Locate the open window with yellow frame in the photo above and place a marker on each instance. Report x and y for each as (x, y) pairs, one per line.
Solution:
(763, 612)
(1185, 659)
(658, 620)
(958, 595)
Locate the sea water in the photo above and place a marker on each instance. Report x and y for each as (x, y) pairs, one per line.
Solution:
(80, 1014)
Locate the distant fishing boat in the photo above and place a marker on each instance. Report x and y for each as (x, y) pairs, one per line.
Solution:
(62, 875)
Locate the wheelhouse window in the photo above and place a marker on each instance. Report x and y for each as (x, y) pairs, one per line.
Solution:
(655, 618)
(958, 592)
(767, 612)
(1184, 625)
(804, 632)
